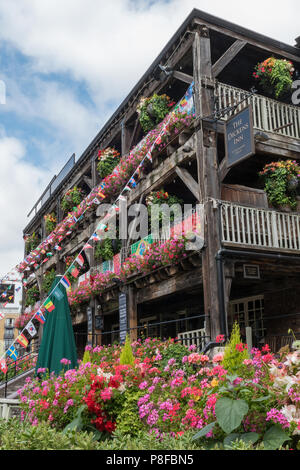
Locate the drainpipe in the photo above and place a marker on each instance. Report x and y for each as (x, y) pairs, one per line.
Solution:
(223, 253)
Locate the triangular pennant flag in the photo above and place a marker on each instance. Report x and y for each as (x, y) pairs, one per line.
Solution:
(95, 237)
(31, 329)
(87, 246)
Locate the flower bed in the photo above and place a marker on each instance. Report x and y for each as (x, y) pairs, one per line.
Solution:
(171, 390)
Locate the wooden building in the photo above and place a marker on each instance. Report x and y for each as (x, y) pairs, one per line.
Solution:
(248, 269)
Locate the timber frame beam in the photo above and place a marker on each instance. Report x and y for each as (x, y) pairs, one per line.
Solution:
(227, 57)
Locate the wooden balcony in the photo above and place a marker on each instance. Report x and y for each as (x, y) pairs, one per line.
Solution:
(263, 229)
(268, 115)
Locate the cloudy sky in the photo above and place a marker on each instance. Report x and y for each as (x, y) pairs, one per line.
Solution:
(67, 65)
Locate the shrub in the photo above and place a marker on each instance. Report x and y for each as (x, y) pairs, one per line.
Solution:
(127, 357)
(235, 351)
(22, 436)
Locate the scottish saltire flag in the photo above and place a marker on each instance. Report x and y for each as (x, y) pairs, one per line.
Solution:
(49, 305)
(40, 317)
(31, 329)
(12, 353)
(65, 282)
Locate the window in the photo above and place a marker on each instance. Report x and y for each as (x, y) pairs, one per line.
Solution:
(248, 312)
(9, 322)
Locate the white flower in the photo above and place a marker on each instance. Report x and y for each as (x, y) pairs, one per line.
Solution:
(292, 359)
(292, 415)
(285, 382)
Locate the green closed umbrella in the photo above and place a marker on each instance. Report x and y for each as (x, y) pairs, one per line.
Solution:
(58, 337)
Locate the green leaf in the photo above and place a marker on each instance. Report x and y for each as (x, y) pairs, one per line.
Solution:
(77, 422)
(204, 431)
(230, 413)
(249, 437)
(261, 399)
(274, 438)
(231, 438)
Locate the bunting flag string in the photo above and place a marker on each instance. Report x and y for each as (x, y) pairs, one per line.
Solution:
(48, 304)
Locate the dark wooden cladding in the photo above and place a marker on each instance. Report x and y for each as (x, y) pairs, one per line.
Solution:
(244, 195)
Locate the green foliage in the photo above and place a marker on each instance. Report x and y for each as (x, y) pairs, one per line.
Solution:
(174, 350)
(71, 199)
(235, 352)
(50, 222)
(31, 242)
(157, 199)
(48, 280)
(128, 421)
(15, 435)
(106, 167)
(230, 413)
(126, 357)
(32, 296)
(146, 441)
(281, 182)
(86, 357)
(104, 250)
(275, 76)
(153, 110)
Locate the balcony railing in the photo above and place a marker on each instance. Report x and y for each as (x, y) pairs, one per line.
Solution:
(268, 115)
(260, 228)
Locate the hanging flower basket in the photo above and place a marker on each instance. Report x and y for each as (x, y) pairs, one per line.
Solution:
(50, 222)
(71, 199)
(282, 180)
(108, 158)
(275, 76)
(153, 110)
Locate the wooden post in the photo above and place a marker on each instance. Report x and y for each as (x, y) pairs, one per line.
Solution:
(132, 313)
(206, 153)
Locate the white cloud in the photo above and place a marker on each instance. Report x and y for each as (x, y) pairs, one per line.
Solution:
(110, 44)
(20, 184)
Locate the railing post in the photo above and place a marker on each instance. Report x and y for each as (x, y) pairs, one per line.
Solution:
(264, 114)
(275, 239)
